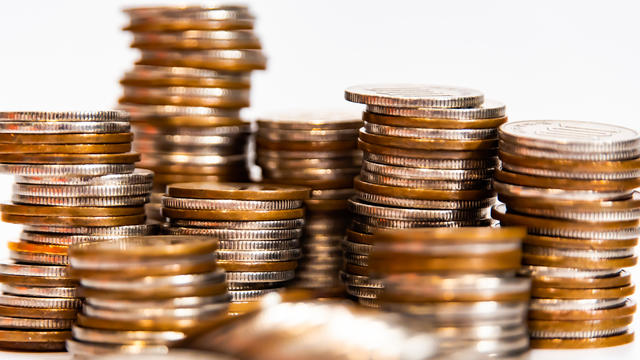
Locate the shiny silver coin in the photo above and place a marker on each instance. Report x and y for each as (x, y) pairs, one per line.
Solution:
(15, 269)
(250, 295)
(619, 234)
(370, 210)
(428, 133)
(568, 174)
(370, 177)
(414, 96)
(560, 194)
(89, 350)
(424, 204)
(38, 258)
(488, 110)
(599, 215)
(259, 276)
(235, 286)
(239, 235)
(144, 111)
(63, 127)
(139, 176)
(7, 322)
(155, 313)
(253, 256)
(40, 302)
(356, 248)
(576, 304)
(426, 174)
(450, 164)
(66, 170)
(39, 291)
(81, 190)
(65, 116)
(126, 337)
(569, 273)
(356, 259)
(307, 135)
(109, 201)
(152, 282)
(579, 253)
(364, 292)
(369, 303)
(553, 154)
(179, 302)
(258, 244)
(586, 334)
(241, 225)
(158, 159)
(125, 230)
(360, 281)
(224, 204)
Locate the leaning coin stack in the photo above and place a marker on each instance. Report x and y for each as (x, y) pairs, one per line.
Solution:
(317, 150)
(428, 156)
(461, 281)
(258, 228)
(572, 185)
(186, 92)
(75, 182)
(145, 293)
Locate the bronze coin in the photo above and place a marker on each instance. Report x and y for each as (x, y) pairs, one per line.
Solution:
(571, 243)
(204, 289)
(622, 279)
(325, 205)
(233, 215)
(360, 238)
(580, 325)
(37, 313)
(187, 121)
(221, 102)
(560, 293)
(65, 148)
(579, 263)
(187, 82)
(20, 280)
(628, 309)
(418, 122)
(169, 324)
(24, 246)
(125, 158)
(421, 194)
(465, 235)
(572, 205)
(66, 138)
(204, 62)
(40, 210)
(574, 165)
(238, 191)
(405, 263)
(147, 247)
(21, 336)
(165, 270)
(357, 269)
(33, 345)
(427, 144)
(74, 220)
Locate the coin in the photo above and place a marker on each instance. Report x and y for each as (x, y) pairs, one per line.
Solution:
(186, 96)
(305, 145)
(64, 170)
(604, 293)
(431, 123)
(442, 134)
(417, 153)
(236, 215)
(64, 148)
(224, 204)
(431, 164)
(426, 173)
(68, 211)
(420, 193)
(624, 337)
(427, 144)
(414, 96)
(146, 246)
(490, 109)
(227, 59)
(183, 76)
(68, 159)
(31, 139)
(238, 191)
(197, 39)
(627, 309)
(311, 121)
(63, 127)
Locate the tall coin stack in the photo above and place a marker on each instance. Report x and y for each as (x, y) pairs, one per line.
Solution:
(318, 150)
(461, 281)
(258, 228)
(186, 92)
(74, 182)
(572, 184)
(144, 294)
(428, 156)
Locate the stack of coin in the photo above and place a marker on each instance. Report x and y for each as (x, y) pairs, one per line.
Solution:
(428, 156)
(572, 184)
(315, 149)
(258, 227)
(461, 281)
(74, 182)
(145, 293)
(186, 92)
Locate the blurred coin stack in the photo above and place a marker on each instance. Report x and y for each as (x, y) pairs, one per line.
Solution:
(74, 182)
(463, 282)
(258, 228)
(186, 91)
(572, 185)
(143, 294)
(317, 150)
(428, 156)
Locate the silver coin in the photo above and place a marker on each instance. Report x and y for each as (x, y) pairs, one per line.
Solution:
(356, 248)
(250, 295)
(307, 135)
(234, 286)
(139, 176)
(258, 244)
(571, 136)
(414, 96)
(585, 334)
(361, 208)
(559, 194)
(126, 337)
(125, 230)
(370, 177)
(569, 273)
(241, 225)
(311, 120)
(483, 332)
(66, 170)
(38, 258)
(498, 312)
(153, 282)
(490, 109)
(259, 277)
(363, 292)
(7, 322)
(80, 201)
(424, 204)
(356, 259)
(329, 154)
(599, 215)
(619, 234)
(154, 313)
(360, 281)
(40, 302)
(580, 175)
(251, 58)
(39, 291)
(224, 204)
(127, 263)
(178, 302)
(63, 127)
(11, 268)
(514, 347)
(428, 133)
(182, 135)
(576, 304)
(238, 235)
(451, 164)
(238, 95)
(158, 159)
(65, 116)
(369, 225)
(581, 156)
(253, 256)
(579, 253)
(89, 350)
(369, 303)
(144, 111)
(424, 284)
(426, 174)
(81, 190)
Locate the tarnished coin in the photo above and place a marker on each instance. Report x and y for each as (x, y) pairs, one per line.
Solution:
(414, 96)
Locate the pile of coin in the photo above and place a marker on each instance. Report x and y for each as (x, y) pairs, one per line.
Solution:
(145, 293)
(74, 182)
(428, 156)
(258, 228)
(572, 184)
(186, 92)
(461, 281)
(316, 149)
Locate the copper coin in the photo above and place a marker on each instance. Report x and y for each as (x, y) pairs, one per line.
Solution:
(579, 263)
(422, 194)
(360, 237)
(66, 138)
(24, 246)
(238, 191)
(162, 178)
(23, 280)
(22, 336)
(65, 148)
(125, 158)
(233, 215)
(572, 205)
(567, 184)
(574, 165)
(560, 293)
(37, 313)
(446, 297)
(418, 122)
(188, 121)
(147, 247)
(404, 263)
(36, 210)
(172, 324)
(325, 205)
(306, 145)
(571, 243)
(33, 345)
(243, 60)
(465, 235)
(579, 325)
(426, 154)
(167, 269)
(74, 220)
(180, 169)
(620, 280)
(427, 144)
(205, 289)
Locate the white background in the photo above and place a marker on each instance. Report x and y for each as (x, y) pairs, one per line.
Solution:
(544, 59)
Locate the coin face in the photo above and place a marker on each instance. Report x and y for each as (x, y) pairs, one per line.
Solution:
(414, 95)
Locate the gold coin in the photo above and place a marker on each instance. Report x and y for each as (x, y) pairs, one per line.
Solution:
(418, 122)
(571, 243)
(628, 309)
(210, 63)
(233, 215)
(147, 246)
(170, 324)
(466, 235)
(623, 279)
(125, 158)
(66, 138)
(325, 205)
(38, 248)
(427, 144)
(574, 165)
(421, 194)
(405, 263)
(23, 280)
(559, 293)
(37, 313)
(360, 238)
(64, 148)
(40, 210)
(257, 266)
(580, 325)
(74, 220)
(238, 191)
(156, 293)
(567, 184)
(579, 263)
(582, 343)
(426, 154)
(306, 145)
(33, 336)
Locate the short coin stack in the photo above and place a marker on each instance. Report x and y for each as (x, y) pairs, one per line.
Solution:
(319, 150)
(186, 91)
(572, 185)
(75, 182)
(258, 227)
(428, 156)
(461, 281)
(143, 294)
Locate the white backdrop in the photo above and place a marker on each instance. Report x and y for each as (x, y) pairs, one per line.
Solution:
(544, 59)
